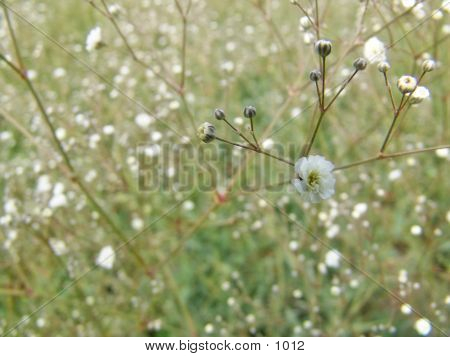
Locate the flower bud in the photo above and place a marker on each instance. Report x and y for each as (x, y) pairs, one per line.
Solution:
(384, 66)
(206, 132)
(249, 112)
(219, 114)
(315, 75)
(323, 48)
(360, 64)
(428, 65)
(406, 84)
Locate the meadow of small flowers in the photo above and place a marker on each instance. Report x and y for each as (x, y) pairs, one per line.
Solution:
(140, 198)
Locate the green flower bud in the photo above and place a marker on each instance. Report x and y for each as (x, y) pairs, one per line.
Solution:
(219, 114)
(249, 112)
(206, 132)
(360, 64)
(315, 75)
(323, 48)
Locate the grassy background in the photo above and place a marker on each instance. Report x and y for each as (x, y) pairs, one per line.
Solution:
(225, 267)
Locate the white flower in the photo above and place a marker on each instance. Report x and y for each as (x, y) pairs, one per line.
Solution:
(332, 259)
(94, 39)
(374, 50)
(105, 259)
(267, 144)
(58, 247)
(143, 120)
(423, 327)
(314, 178)
(419, 94)
(406, 309)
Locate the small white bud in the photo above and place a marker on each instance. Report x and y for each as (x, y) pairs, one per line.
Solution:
(428, 65)
(384, 66)
(406, 84)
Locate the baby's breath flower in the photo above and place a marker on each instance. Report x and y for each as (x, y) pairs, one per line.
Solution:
(423, 327)
(314, 178)
(106, 257)
(428, 65)
(374, 50)
(384, 66)
(419, 95)
(206, 132)
(323, 47)
(315, 75)
(406, 84)
(94, 39)
(360, 64)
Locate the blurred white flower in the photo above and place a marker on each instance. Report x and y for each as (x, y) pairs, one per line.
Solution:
(267, 144)
(416, 230)
(314, 178)
(188, 205)
(137, 223)
(406, 309)
(394, 175)
(105, 259)
(403, 276)
(108, 130)
(94, 39)
(419, 94)
(58, 246)
(143, 120)
(423, 327)
(332, 259)
(408, 3)
(443, 153)
(374, 50)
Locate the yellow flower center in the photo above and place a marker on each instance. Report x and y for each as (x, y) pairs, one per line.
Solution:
(313, 179)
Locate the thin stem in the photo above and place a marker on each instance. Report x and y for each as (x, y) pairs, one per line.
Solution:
(319, 96)
(235, 144)
(382, 156)
(13, 38)
(317, 20)
(276, 157)
(394, 120)
(258, 150)
(253, 133)
(323, 83)
(302, 9)
(314, 134)
(349, 79)
(183, 41)
(239, 133)
(388, 86)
